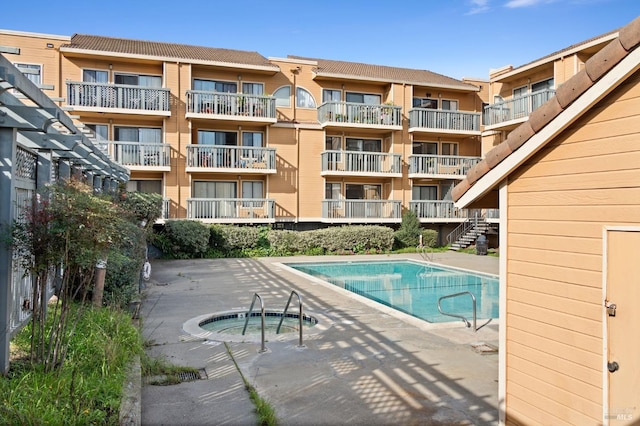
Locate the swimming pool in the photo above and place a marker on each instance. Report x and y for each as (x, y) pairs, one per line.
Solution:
(412, 287)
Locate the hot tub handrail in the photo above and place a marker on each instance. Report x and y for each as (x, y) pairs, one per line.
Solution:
(246, 322)
(300, 317)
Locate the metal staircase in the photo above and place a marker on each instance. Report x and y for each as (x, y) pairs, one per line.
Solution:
(468, 231)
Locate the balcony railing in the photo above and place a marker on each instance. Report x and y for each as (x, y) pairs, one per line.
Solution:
(231, 209)
(237, 105)
(422, 165)
(518, 107)
(436, 209)
(361, 209)
(360, 114)
(361, 162)
(250, 159)
(137, 154)
(437, 119)
(118, 96)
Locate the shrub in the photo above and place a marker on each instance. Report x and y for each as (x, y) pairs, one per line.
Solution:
(429, 238)
(240, 237)
(143, 207)
(409, 232)
(124, 266)
(186, 238)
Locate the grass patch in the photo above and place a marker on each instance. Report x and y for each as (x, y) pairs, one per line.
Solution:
(161, 372)
(88, 387)
(264, 410)
(472, 250)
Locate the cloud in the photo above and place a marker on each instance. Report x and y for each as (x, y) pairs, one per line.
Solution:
(525, 3)
(478, 6)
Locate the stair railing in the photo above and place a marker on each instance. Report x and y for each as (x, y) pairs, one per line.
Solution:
(463, 228)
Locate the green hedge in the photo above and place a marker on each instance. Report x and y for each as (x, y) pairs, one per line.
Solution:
(184, 239)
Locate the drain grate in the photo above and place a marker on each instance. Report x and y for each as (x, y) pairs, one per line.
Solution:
(188, 376)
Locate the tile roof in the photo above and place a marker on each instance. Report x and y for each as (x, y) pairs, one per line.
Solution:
(331, 68)
(142, 48)
(597, 66)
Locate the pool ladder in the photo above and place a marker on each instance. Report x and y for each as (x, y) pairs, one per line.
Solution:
(474, 319)
(262, 317)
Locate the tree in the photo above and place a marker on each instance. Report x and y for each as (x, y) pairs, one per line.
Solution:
(408, 235)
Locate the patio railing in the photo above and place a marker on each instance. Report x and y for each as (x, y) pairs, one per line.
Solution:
(361, 162)
(356, 113)
(518, 107)
(137, 154)
(231, 104)
(423, 118)
(230, 208)
(361, 209)
(122, 96)
(450, 165)
(436, 209)
(231, 157)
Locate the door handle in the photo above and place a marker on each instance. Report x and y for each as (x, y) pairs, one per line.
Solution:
(613, 367)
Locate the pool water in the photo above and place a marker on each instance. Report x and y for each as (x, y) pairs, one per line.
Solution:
(412, 287)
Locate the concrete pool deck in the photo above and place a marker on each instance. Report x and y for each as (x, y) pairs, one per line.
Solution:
(367, 364)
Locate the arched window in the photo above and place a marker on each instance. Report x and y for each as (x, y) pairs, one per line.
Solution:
(304, 99)
(283, 96)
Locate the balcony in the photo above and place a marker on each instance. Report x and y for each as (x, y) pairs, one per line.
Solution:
(231, 106)
(434, 211)
(423, 166)
(148, 156)
(231, 210)
(118, 98)
(351, 163)
(231, 159)
(444, 121)
(361, 211)
(511, 112)
(356, 115)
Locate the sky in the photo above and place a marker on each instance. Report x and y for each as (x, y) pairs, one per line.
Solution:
(457, 38)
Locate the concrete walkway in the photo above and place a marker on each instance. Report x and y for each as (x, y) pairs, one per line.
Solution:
(363, 364)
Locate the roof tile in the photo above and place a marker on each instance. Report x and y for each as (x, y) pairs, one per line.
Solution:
(600, 63)
(573, 88)
(630, 34)
(497, 154)
(520, 135)
(543, 115)
(167, 50)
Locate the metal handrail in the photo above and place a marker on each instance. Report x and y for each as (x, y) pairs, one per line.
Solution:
(299, 315)
(473, 298)
(424, 250)
(246, 322)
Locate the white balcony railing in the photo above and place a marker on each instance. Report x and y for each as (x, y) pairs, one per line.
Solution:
(253, 159)
(436, 209)
(361, 209)
(137, 154)
(117, 96)
(437, 119)
(423, 165)
(231, 104)
(361, 162)
(231, 209)
(361, 114)
(518, 107)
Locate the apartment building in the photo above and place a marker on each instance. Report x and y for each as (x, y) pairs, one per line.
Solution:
(230, 136)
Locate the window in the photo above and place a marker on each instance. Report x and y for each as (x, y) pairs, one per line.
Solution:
(138, 134)
(331, 95)
(425, 103)
(252, 139)
(449, 105)
(215, 86)
(202, 189)
(101, 131)
(429, 148)
(368, 145)
(253, 88)
(333, 143)
(520, 103)
(283, 96)
(520, 91)
(208, 137)
(252, 189)
(542, 85)
(364, 98)
(148, 186)
(138, 80)
(332, 191)
(424, 193)
(304, 99)
(362, 192)
(95, 76)
(32, 72)
(449, 148)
